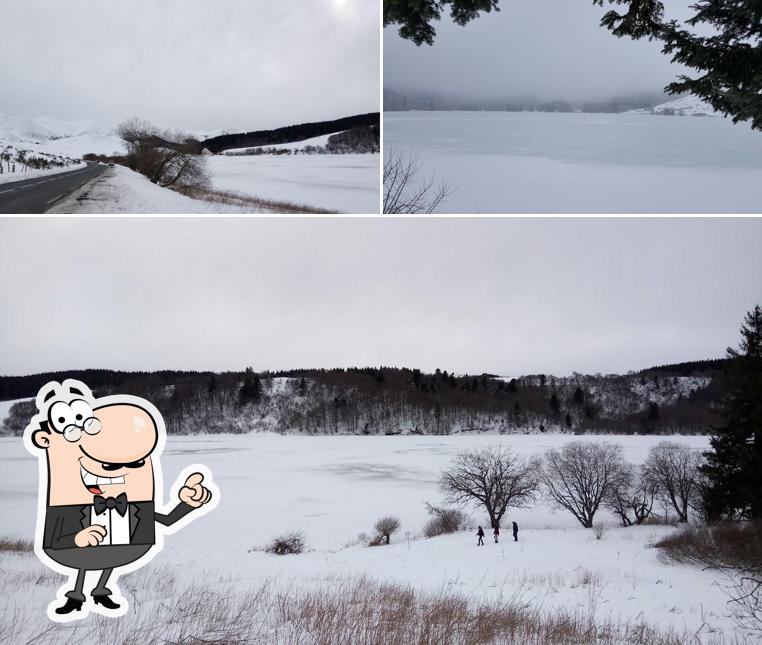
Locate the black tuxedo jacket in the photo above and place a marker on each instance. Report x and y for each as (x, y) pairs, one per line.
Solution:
(62, 523)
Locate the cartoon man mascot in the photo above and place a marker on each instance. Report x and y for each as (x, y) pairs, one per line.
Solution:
(98, 510)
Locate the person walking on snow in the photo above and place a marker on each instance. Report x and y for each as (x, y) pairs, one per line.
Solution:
(480, 535)
(515, 532)
(496, 533)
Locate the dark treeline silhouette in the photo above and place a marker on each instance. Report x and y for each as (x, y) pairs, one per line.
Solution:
(710, 367)
(386, 400)
(422, 100)
(289, 134)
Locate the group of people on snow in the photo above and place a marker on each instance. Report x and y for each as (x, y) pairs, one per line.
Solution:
(496, 534)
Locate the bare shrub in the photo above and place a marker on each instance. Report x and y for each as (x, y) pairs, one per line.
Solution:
(250, 203)
(386, 526)
(735, 547)
(493, 478)
(11, 545)
(673, 470)
(580, 476)
(287, 544)
(403, 195)
(599, 529)
(443, 521)
(214, 612)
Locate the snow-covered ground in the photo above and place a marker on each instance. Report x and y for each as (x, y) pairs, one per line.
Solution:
(122, 191)
(66, 138)
(345, 183)
(99, 144)
(683, 106)
(503, 162)
(334, 488)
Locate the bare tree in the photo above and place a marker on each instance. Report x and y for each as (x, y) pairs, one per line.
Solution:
(580, 476)
(386, 526)
(673, 470)
(403, 195)
(492, 477)
(634, 494)
(167, 159)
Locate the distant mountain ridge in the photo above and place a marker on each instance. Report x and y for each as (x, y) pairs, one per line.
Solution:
(18, 129)
(425, 101)
(681, 398)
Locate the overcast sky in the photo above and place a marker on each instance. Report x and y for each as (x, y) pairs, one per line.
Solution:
(193, 64)
(548, 49)
(498, 295)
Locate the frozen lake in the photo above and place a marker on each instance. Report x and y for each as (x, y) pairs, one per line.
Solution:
(534, 162)
(335, 487)
(344, 183)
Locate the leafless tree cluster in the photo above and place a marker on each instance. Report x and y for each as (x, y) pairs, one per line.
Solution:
(166, 159)
(403, 194)
(581, 476)
(493, 478)
(632, 498)
(673, 471)
(386, 526)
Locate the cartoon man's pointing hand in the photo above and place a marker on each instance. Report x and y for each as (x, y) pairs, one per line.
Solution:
(99, 471)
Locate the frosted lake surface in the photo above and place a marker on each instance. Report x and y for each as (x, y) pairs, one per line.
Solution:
(507, 162)
(334, 487)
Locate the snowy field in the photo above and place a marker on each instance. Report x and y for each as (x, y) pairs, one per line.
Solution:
(506, 162)
(345, 183)
(334, 488)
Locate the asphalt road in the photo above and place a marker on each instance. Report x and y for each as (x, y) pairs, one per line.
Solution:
(32, 196)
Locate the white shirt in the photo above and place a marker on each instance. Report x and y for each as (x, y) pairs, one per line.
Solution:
(117, 526)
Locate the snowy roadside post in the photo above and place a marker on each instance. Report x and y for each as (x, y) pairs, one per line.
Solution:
(407, 535)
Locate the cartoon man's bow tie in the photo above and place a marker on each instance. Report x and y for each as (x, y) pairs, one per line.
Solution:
(102, 503)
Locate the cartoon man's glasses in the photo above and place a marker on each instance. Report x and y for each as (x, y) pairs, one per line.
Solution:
(73, 432)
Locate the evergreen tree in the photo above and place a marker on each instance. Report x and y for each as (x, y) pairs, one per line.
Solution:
(512, 387)
(722, 41)
(555, 404)
(251, 390)
(568, 420)
(579, 396)
(302, 387)
(734, 462)
(415, 16)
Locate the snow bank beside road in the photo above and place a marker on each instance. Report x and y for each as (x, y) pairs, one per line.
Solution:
(121, 191)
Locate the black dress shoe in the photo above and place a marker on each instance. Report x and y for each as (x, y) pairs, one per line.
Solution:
(105, 601)
(70, 606)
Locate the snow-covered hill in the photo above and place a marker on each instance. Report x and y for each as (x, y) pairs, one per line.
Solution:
(683, 106)
(52, 137)
(38, 129)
